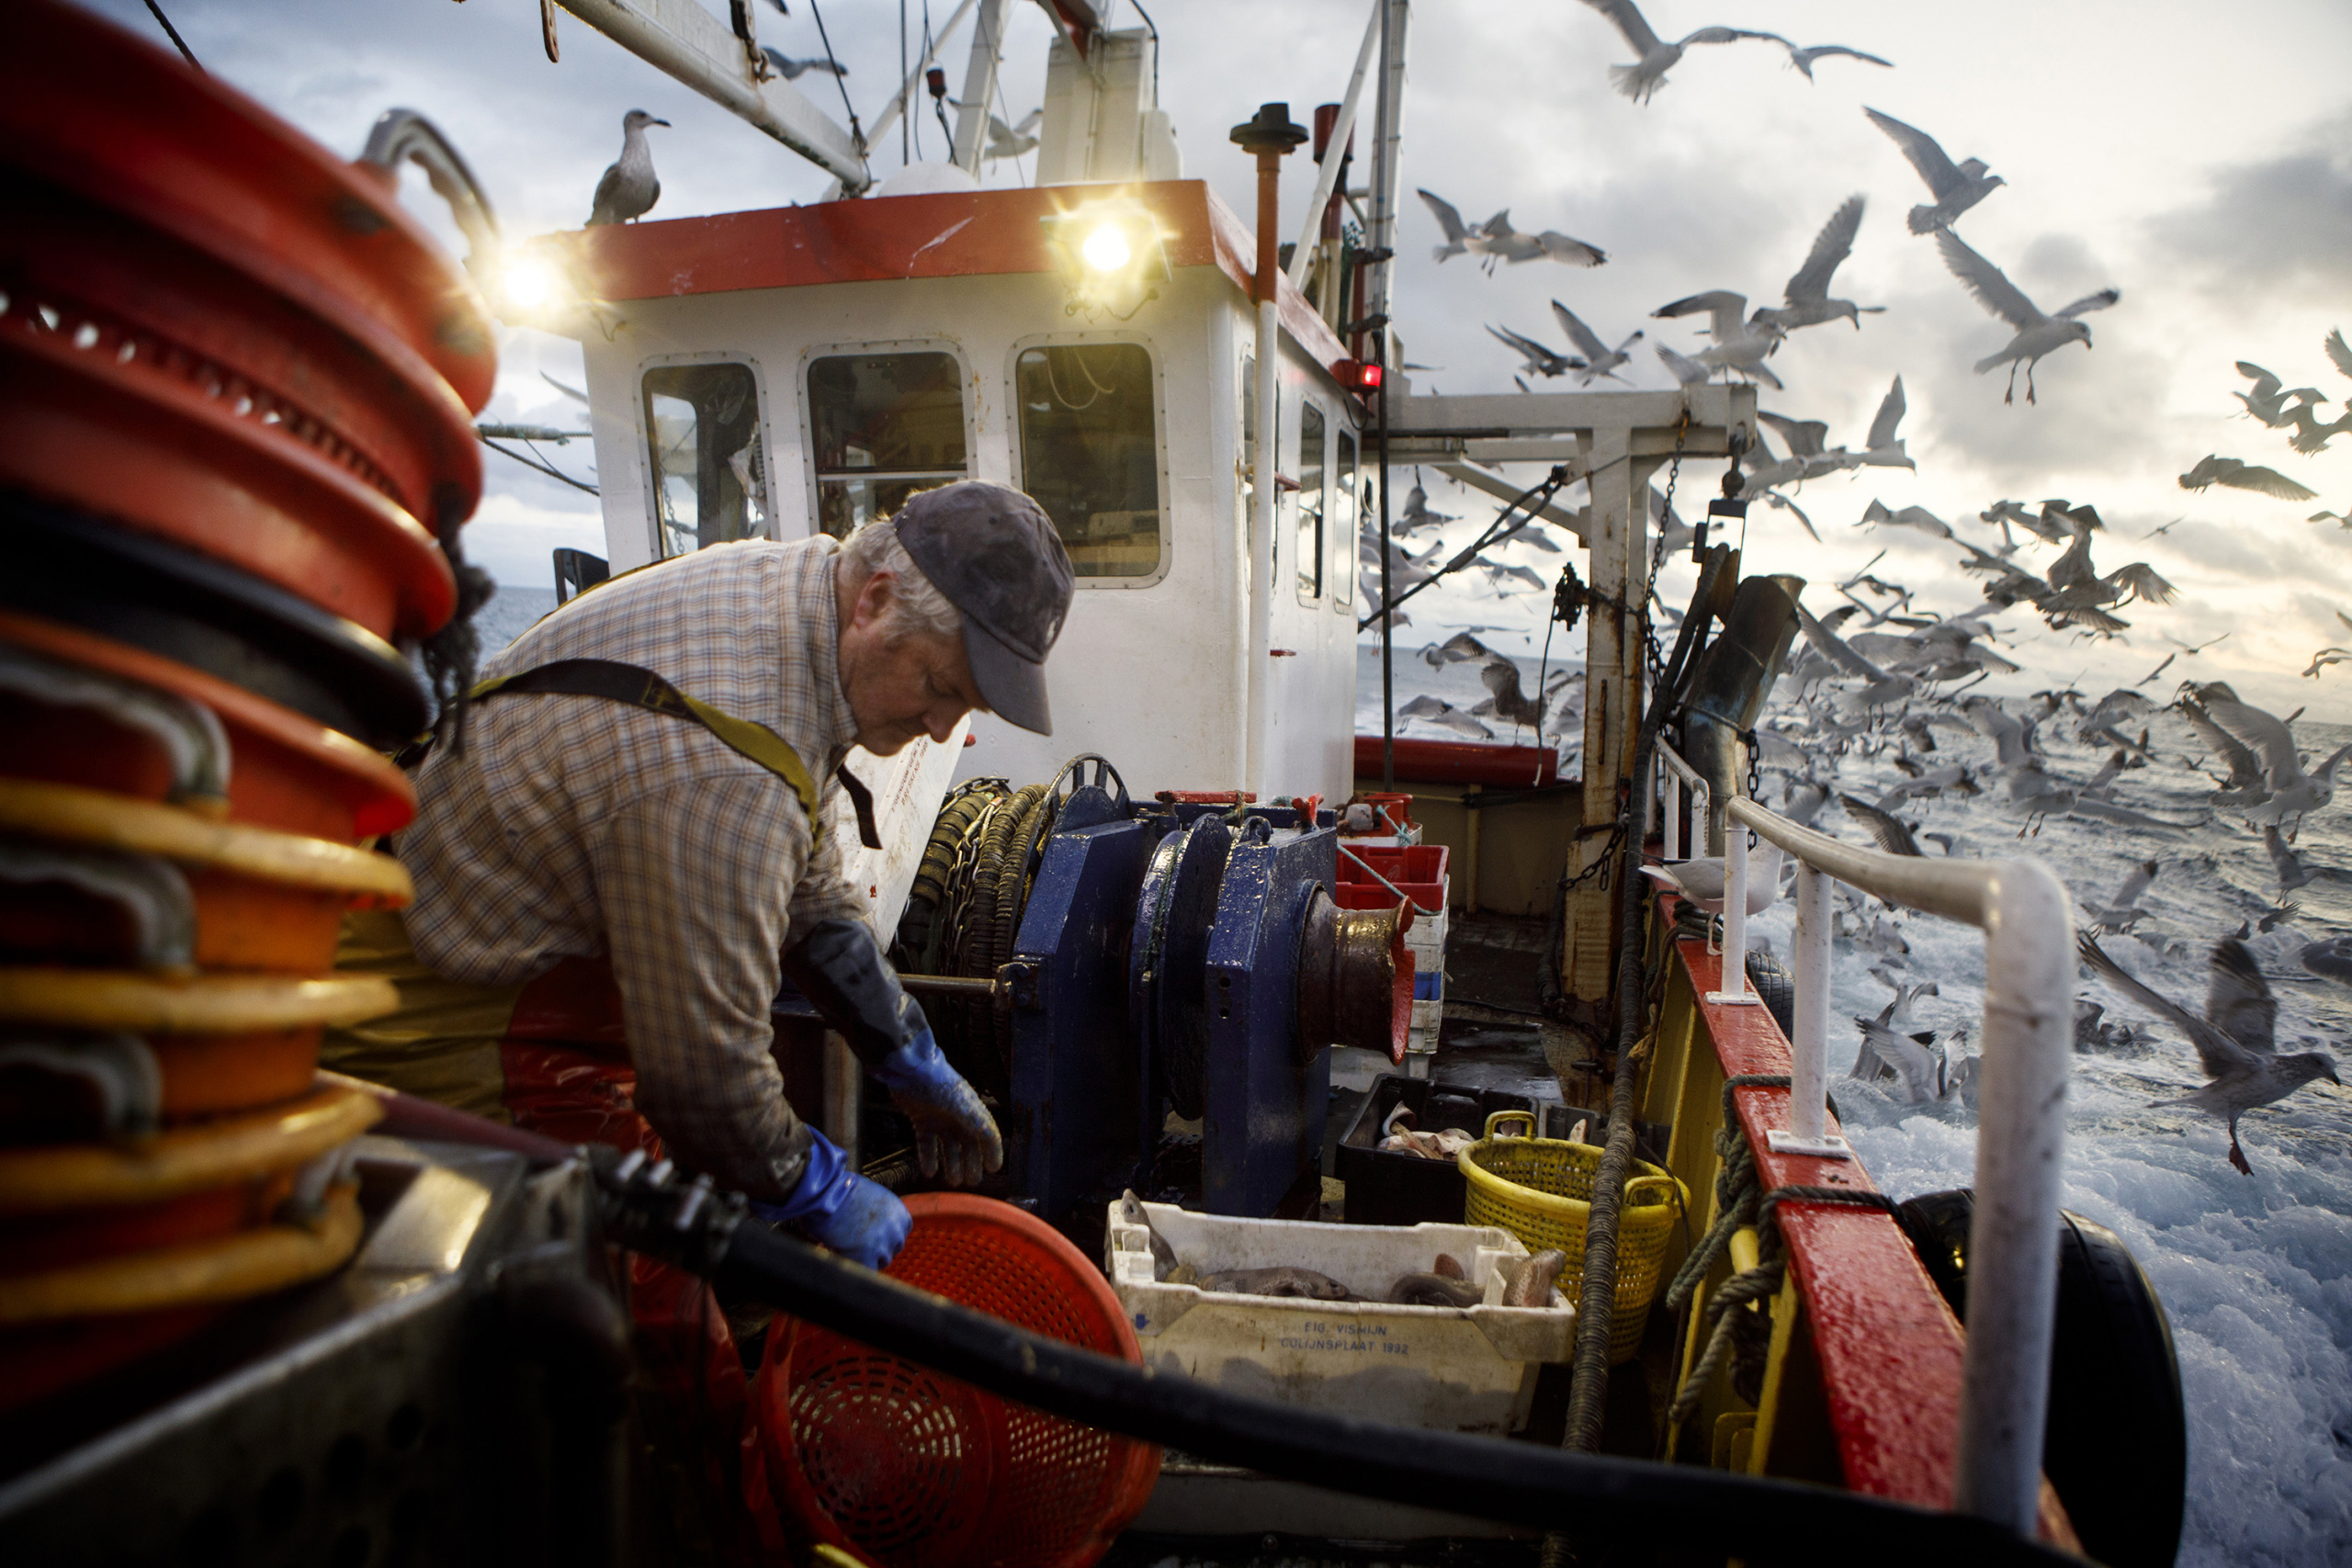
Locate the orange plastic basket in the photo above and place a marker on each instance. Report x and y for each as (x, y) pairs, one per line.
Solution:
(906, 1467)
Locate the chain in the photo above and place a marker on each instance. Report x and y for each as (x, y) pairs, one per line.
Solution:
(1755, 774)
(1600, 869)
(1657, 549)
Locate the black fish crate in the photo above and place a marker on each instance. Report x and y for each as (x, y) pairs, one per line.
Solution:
(1385, 1188)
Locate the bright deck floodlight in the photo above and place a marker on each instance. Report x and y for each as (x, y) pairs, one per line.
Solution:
(1110, 255)
(529, 282)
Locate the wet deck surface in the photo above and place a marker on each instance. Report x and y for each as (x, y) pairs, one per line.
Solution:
(1494, 1037)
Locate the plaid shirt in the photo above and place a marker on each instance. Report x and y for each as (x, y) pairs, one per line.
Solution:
(576, 827)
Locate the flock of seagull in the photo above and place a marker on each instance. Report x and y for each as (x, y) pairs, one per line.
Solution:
(1873, 682)
(1740, 341)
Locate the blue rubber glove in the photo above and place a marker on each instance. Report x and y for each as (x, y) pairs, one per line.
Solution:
(840, 1209)
(954, 1136)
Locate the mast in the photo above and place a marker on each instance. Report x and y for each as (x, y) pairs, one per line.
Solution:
(979, 88)
(1380, 236)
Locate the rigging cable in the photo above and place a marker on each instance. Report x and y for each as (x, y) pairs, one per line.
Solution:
(156, 10)
(536, 462)
(840, 81)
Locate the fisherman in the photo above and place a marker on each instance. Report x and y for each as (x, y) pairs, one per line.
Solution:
(609, 890)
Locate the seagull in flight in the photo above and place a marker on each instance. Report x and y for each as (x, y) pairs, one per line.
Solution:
(2037, 334)
(1596, 358)
(1459, 238)
(1504, 243)
(1740, 342)
(792, 69)
(2269, 398)
(2237, 475)
(1687, 371)
(2193, 649)
(1882, 448)
(1802, 58)
(1807, 299)
(1956, 186)
(1541, 361)
(1892, 834)
(1438, 711)
(1011, 140)
(2235, 1041)
(2293, 792)
(1641, 79)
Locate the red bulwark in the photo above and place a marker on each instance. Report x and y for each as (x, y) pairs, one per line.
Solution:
(1890, 1349)
(1460, 762)
(881, 239)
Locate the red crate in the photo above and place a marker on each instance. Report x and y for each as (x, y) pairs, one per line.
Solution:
(1418, 871)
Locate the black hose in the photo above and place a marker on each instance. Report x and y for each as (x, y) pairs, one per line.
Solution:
(1665, 1507)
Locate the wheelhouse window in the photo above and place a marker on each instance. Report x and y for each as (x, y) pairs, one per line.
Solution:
(1089, 452)
(883, 426)
(1310, 505)
(709, 465)
(1344, 523)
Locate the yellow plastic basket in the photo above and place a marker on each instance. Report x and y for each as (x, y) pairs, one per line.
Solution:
(1540, 1190)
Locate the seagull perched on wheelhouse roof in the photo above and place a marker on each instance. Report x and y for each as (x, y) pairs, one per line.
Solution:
(629, 187)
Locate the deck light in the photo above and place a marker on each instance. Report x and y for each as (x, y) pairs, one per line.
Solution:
(1110, 255)
(529, 282)
(1105, 249)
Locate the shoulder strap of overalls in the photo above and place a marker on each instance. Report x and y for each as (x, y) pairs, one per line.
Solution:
(641, 688)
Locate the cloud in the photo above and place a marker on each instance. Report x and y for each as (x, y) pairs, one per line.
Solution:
(2281, 224)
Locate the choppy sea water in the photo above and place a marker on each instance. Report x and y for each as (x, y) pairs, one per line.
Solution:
(2255, 1272)
(509, 612)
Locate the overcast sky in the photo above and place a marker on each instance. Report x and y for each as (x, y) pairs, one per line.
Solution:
(2198, 157)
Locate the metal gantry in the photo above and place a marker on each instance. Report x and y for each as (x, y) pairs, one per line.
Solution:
(1616, 442)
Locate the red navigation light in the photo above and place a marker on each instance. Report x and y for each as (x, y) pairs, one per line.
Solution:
(1357, 375)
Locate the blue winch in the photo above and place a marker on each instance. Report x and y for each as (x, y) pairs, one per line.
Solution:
(1106, 963)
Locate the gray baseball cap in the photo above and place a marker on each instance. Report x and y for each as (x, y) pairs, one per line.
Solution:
(995, 554)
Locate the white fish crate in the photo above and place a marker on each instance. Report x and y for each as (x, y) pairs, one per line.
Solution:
(1425, 939)
(1427, 933)
(1442, 1368)
(1429, 1018)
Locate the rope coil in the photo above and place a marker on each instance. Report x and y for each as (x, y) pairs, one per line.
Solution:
(1739, 1203)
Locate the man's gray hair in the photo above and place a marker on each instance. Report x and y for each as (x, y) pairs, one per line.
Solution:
(920, 607)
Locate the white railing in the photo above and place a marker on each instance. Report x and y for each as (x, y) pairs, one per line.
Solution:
(1676, 781)
(2028, 920)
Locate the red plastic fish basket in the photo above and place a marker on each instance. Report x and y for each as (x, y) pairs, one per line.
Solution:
(215, 330)
(908, 1468)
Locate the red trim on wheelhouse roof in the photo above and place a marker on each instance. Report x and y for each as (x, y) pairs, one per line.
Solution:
(1889, 1348)
(895, 237)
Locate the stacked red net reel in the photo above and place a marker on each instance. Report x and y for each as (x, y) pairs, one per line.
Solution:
(236, 383)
